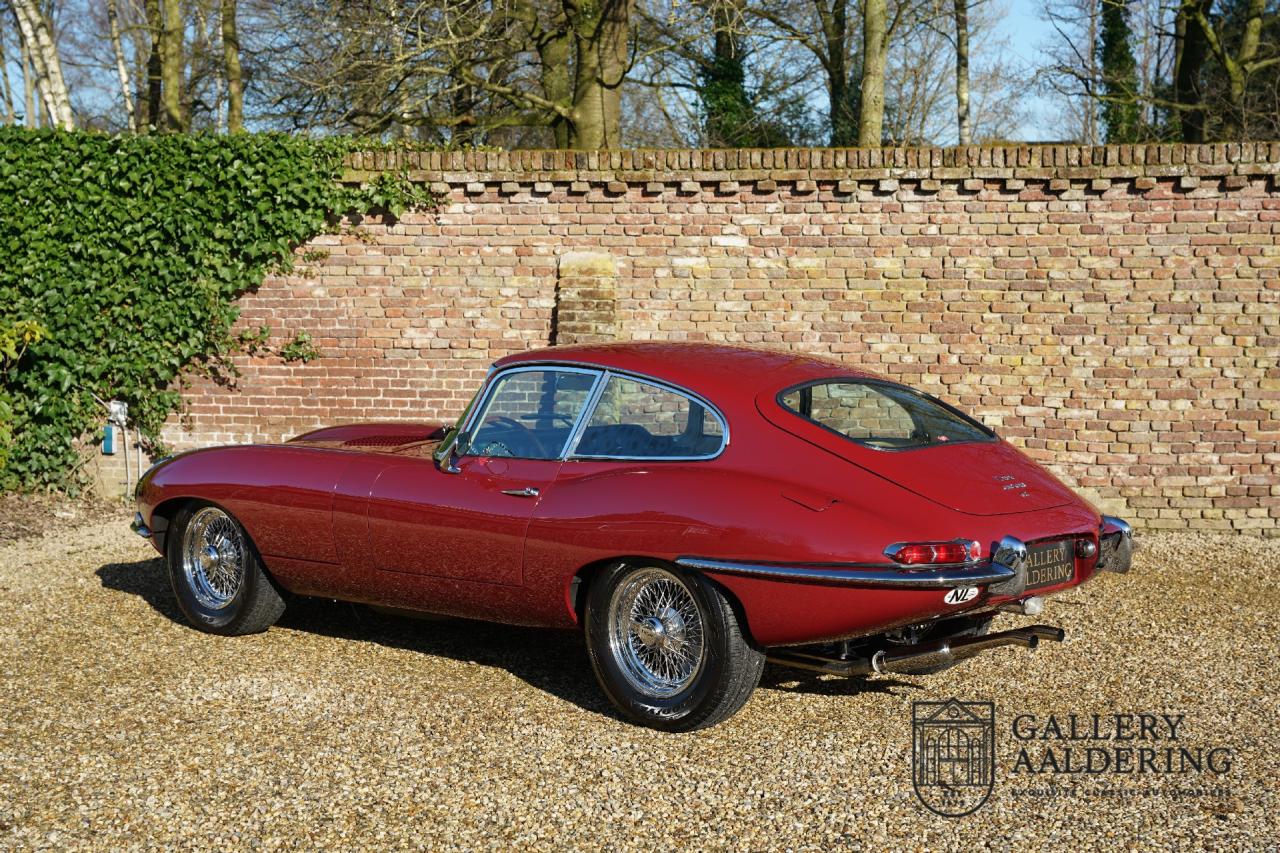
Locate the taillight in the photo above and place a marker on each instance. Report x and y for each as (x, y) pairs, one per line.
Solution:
(932, 553)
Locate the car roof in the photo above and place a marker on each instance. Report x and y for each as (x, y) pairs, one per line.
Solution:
(713, 370)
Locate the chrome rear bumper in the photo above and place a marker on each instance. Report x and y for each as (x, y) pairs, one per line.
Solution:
(864, 574)
(139, 526)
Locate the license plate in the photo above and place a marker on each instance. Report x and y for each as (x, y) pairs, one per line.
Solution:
(1050, 564)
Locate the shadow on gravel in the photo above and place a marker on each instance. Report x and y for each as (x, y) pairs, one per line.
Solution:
(798, 681)
(552, 661)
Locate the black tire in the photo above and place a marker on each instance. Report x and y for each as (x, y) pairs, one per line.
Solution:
(947, 630)
(728, 666)
(249, 605)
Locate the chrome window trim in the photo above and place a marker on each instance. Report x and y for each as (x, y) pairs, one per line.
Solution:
(609, 373)
(863, 574)
(497, 375)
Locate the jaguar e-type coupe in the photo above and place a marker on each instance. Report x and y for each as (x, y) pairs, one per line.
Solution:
(694, 509)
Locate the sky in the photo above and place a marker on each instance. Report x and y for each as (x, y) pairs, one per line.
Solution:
(1027, 33)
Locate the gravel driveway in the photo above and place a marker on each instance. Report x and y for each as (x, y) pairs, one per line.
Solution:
(344, 728)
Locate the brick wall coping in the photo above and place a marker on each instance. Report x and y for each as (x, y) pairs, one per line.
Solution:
(805, 166)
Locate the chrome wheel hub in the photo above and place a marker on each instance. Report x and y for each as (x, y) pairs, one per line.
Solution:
(656, 633)
(214, 557)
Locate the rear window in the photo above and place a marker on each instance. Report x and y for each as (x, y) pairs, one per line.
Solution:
(882, 415)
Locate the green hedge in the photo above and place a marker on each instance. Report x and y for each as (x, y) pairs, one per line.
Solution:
(129, 253)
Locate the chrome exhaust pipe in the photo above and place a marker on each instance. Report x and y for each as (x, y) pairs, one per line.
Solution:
(1032, 606)
(902, 658)
(948, 651)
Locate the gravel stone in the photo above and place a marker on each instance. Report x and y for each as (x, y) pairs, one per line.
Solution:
(344, 728)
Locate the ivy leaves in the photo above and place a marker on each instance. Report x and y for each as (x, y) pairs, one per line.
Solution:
(129, 252)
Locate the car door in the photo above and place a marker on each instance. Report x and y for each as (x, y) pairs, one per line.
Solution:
(466, 516)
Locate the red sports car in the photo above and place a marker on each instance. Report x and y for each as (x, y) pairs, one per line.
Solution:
(695, 509)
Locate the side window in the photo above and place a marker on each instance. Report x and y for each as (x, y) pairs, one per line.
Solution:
(637, 420)
(530, 413)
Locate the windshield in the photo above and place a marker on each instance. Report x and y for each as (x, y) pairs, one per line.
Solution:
(882, 415)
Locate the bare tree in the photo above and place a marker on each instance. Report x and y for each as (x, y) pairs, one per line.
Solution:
(457, 68)
(920, 83)
(45, 62)
(1070, 74)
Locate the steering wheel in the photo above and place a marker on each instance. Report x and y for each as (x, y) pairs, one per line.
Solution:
(513, 425)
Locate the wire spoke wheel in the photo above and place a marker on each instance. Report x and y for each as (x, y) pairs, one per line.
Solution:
(215, 557)
(656, 633)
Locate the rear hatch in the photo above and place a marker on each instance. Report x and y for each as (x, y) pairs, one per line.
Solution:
(978, 477)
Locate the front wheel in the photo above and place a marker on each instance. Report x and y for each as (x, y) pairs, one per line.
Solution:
(216, 574)
(668, 648)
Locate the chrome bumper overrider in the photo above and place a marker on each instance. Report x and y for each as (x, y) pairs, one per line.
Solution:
(139, 527)
(1115, 545)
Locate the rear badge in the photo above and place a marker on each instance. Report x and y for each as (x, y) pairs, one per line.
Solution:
(961, 594)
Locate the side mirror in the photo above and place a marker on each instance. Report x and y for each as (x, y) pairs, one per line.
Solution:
(454, 445)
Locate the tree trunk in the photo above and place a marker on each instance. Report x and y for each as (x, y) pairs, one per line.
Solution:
(122, 69)
(6, 90)
(154, 117)
(171, 66)
(875, 44)
(601, 33)
(231, 63)
(964, 133)
(555, 52)
(840, 89)
(29, 116)
(1191, 51)
(44, 59)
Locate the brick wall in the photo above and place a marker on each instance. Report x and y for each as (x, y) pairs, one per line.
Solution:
(1114, 311)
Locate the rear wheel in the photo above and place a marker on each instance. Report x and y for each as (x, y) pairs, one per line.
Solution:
(216, 574)
(668, 648)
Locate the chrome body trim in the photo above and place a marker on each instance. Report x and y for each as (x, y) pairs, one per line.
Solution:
(883, 575)
(492, 382)
(571, 453)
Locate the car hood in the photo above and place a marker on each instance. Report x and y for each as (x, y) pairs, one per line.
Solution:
(978, 478)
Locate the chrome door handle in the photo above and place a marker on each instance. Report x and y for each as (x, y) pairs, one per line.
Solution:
(526, 492)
